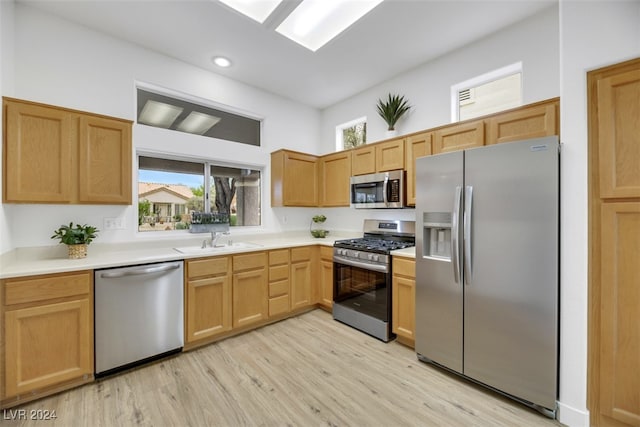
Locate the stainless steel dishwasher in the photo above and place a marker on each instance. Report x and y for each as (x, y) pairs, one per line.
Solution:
(138, 314)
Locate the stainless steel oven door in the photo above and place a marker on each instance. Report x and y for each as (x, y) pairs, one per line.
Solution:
(363, 288)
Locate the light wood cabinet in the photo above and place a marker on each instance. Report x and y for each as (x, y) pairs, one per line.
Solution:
(301, 274)
(57, 155)
(363, 160)
(416, 146)
(403, 299)
(335, 171)
(535, 121)
(325, 277)
(250, 289)
(294, 179)
(614, 216)
(459, 137)
(207, 298)
(48, 334)
(279, 282)
(390, 155)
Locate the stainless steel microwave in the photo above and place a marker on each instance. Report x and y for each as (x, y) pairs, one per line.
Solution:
(378, 190)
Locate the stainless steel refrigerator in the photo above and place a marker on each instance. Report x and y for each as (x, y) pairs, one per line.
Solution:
(487, 283)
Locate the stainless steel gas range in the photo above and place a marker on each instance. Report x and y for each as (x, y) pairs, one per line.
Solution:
(362, 275)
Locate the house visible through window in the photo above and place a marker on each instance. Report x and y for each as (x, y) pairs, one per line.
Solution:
(495, 91)
(351, 134)
(170, 191)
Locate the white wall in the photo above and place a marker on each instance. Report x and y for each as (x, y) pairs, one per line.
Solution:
(61, 63)
(592, 35)
(533, 41)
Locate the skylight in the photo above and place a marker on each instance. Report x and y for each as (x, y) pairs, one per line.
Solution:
(315, 22)
(258, 10)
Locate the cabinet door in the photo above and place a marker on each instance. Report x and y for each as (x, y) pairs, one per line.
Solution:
(416, 146)
(301, 180)
(301, 295)
(326, 283)
(459, 137)
(47, 345)
(39, 160)
(404, 307)
(335, 171)
(250, 297)
(208, 307)
(619, 308)
(533, 122)
(104, 161)
(618, 130)
(390, 155)
(363, 160)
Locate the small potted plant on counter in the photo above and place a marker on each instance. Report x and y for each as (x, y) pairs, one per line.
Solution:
(391, 110)
(315, 230)
(76, 238)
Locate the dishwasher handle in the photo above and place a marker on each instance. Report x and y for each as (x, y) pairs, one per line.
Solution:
(141, 271)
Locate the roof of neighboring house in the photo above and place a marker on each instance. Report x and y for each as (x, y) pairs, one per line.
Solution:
(146, 188)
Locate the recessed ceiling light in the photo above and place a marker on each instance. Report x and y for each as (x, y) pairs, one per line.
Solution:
(159, 114)
(257, 10)
(315, 22)
(221, 61)
(197, 123)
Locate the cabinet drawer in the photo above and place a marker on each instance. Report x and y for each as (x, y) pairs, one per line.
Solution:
(278, 257)
(326, 252)
(249, 261)
(404, 267)
(279, 305)
(278, 288)
(279, 272)
(301, 254)
(207, 267)
(19, 291)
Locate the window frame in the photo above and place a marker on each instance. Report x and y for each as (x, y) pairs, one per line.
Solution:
(341, 127)
(206, 163)
(491, 76)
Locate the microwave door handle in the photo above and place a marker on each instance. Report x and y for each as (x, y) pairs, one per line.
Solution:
(385, 189)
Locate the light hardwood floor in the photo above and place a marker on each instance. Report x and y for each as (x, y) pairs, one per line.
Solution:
(305, 371)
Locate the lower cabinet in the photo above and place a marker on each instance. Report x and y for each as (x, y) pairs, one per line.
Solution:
(301, 285)
(403, 299)
(279, 282)
(208, 298)
(250, 289)
(48, 334)
(325, 277)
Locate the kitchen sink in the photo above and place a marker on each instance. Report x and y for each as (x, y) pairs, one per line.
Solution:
(190, 250)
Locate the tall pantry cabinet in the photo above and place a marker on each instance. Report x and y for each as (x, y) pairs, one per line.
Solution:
(614, 202)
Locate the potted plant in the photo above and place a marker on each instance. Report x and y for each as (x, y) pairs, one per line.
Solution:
(392, 109)
(76, 238)
(315, 231)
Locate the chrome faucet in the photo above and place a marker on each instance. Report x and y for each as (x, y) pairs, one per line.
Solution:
(215, 236)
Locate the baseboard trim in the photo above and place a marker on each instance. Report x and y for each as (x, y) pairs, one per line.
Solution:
(572, 417)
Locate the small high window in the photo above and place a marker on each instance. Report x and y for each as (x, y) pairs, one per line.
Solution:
(351, 134)
(495, 91)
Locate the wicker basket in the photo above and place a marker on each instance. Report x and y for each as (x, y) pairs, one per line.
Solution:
(77, 251)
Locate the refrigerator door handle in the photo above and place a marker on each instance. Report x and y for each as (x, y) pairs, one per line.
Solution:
(455, 239)
(468, 205)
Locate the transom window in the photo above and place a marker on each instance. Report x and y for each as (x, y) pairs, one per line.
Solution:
(351, 134)
(495, 91)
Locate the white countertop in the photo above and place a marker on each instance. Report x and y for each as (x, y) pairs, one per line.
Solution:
(53, 259)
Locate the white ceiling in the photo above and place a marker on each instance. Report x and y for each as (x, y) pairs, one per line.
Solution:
(395, 37)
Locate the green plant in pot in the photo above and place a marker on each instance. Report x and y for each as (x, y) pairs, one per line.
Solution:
(392, 109)
(315, 230)
(76, 238)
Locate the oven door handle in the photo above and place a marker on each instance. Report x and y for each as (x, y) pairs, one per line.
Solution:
(364, 265)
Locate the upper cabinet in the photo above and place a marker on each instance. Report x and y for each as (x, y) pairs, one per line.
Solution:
(459, 137)
(57, 155)
(417, 146)
(363, 160)
(294, 179)
(335, 171)
(390, 155)
(535, 121)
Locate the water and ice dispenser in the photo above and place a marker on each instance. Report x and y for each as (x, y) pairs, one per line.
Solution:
(436, 238)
